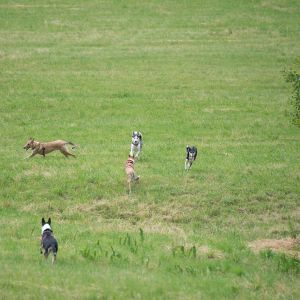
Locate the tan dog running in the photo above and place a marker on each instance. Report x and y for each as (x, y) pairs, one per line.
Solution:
(129, 169)
(45, 148)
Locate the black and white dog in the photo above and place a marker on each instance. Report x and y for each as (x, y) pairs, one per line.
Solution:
(136, 144)
(191, 155)
(48, 242)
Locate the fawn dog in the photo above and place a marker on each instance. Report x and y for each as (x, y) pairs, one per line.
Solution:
(129, 169)
(45, 148)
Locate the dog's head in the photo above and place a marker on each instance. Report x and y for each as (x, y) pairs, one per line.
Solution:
(130, 158)
(29, 144)
(46, 225)
(136, 137)
(191, 152)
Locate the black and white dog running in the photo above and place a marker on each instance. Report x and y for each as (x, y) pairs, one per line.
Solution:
(48, 242)
(191, 155)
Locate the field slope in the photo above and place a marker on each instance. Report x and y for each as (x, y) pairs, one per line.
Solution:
(204, 73)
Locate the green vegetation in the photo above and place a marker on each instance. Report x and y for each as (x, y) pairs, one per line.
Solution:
(294, 77)
(204, 73)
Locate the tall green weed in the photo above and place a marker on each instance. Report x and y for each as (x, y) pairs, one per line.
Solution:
(293, 77)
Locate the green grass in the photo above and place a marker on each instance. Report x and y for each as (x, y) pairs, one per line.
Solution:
(204, 73)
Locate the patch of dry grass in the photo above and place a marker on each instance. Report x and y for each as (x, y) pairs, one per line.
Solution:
(287, 245)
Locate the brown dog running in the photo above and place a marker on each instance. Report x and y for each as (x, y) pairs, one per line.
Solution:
(45, 148)
(129, 169)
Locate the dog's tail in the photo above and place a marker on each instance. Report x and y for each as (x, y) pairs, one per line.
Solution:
(73, 145)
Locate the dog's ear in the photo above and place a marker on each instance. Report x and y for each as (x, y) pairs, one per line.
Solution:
(43, 222)
(49, 221)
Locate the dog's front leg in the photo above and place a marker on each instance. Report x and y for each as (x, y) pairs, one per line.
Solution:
(138, 150)
(131, 150)
(31, 155)
(186, 165)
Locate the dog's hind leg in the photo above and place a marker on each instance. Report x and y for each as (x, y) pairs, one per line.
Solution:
(71, 154)
(66, 153)
(54, 258)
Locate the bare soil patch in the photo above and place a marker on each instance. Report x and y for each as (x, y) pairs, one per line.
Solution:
(288, 246)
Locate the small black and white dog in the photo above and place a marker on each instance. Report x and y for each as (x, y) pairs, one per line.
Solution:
(48, 242)
(191, 155)
(136, 144)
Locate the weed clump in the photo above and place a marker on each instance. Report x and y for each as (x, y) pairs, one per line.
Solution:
(288, 264)
(293, 77)
(137, 250)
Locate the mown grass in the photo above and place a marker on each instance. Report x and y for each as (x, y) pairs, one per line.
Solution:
(207, 73)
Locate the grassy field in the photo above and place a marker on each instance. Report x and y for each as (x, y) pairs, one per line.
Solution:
(204, 73)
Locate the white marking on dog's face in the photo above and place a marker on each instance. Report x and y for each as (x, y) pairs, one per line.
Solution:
(191, 155)
(45, 227)
(135, 140)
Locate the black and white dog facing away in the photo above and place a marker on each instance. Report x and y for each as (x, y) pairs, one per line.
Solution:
(191, 155)
(136, 144)
(48, 242)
